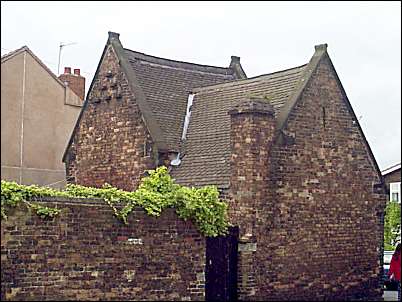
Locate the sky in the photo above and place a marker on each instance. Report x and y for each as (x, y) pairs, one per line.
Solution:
(364, 43)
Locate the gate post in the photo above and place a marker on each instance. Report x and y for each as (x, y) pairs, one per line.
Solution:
(246, 271)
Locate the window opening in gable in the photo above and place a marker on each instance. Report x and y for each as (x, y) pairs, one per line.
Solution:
(323, 116)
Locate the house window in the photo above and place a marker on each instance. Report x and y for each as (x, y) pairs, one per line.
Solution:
(395, 191)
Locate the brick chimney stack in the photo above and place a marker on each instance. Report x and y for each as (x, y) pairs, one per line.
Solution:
(252, 131)
(252, 126)
(75, 81)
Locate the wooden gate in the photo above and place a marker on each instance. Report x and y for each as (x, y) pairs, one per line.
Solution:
(221, 267)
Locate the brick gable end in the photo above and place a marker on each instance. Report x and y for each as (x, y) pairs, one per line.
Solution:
(321, 192)
(112, 143)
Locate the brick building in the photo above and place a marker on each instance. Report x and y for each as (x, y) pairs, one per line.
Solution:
(305, 194)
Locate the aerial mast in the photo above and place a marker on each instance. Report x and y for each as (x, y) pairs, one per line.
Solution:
(60, 48)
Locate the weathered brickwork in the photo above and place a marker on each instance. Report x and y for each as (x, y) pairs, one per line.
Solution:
(87, 254)
(112, 143)
(306, 198)
(321, 234)
(252, 131)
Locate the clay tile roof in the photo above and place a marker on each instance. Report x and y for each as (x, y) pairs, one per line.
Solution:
(206, 151)
(161, 87)
(166, 85)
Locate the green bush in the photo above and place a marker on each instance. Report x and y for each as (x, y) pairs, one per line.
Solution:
(155, 193)
(392, 225)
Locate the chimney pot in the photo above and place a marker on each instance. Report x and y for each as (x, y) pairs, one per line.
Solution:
(235, 59)
(75, 81)
(113, 35)
(321, 47)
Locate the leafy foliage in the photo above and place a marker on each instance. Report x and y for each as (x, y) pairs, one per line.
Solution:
(155, 193)
(392, 225)
(13, 194)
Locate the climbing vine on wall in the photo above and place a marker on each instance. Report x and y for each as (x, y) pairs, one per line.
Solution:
(155, 193)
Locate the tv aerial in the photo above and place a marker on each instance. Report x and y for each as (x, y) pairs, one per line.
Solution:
(60, 48)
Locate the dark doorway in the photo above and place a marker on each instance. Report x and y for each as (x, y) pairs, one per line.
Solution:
(221, 267)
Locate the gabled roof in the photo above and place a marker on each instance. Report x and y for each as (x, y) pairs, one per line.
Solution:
(161, 88)
(13, 53)
(16, 52)
(166, 84)
(206, 152)
(207, 148)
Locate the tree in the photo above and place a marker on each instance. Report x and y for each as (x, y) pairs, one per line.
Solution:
(392, 225)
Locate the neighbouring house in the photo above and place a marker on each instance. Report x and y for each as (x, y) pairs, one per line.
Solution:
(38, 112)
(306, 197)
(392, 179)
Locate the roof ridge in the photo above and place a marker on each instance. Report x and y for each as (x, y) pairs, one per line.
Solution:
(10, 54)
(279, 71)
(258, 78)
(155, 59)
(40, 62)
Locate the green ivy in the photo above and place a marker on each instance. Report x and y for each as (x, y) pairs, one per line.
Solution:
(392, 225)
(155, 193)
(13, 195)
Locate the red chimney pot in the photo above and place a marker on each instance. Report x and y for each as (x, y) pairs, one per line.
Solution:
(75, 81)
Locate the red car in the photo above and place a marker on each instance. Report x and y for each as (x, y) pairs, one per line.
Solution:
(388, 284)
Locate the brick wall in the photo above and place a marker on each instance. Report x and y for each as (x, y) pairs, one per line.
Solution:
(324, 240)
(87, 254)
(111, 131)
(252, 132)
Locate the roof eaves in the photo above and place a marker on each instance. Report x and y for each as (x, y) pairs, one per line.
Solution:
(391, 169)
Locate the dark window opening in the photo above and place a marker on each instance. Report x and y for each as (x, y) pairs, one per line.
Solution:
(323, 116)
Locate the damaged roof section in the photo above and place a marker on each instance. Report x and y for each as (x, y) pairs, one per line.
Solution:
(161, 87)
(166, 85)
(207, 149)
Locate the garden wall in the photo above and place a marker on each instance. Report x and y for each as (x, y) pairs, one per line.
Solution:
(86, 253)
